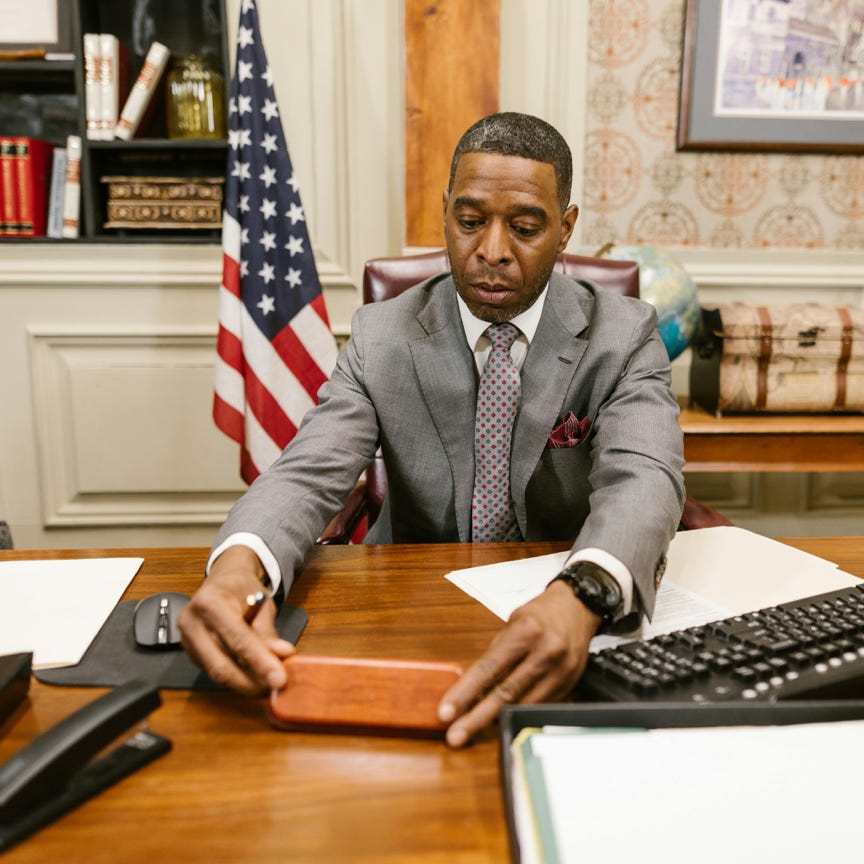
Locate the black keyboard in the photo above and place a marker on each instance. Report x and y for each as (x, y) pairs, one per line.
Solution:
(807, 649)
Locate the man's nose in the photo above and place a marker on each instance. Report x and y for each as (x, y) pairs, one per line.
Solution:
(494, 247)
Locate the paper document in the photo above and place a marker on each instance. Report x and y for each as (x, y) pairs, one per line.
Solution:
(711, 795)
(55, 608)
(712, 573)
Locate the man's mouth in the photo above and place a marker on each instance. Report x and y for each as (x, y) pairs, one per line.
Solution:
(491, 290)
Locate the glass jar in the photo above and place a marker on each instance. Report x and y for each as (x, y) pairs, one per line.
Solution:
(196, 99)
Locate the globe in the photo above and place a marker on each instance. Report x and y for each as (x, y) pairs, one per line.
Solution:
(669, 288)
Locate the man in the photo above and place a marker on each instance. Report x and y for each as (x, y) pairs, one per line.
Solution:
(595, 453)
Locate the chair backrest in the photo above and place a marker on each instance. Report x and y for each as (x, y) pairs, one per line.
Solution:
(384, 278)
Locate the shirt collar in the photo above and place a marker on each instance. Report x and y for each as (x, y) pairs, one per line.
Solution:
(526, 321)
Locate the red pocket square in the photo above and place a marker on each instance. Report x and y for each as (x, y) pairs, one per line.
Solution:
(569, 432)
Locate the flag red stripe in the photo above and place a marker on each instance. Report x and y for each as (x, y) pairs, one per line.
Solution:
(267, 411)
(299, 361)
(231, 274)
(228, 419)
(230, 349)
(248, 471)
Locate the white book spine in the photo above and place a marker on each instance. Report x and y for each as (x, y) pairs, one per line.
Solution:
(92, 89)
(142, 91)
(109, 64)
(57, 193)
(72, 194)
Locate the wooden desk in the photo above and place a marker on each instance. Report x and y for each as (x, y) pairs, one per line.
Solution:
(772, 442)
(233, 789)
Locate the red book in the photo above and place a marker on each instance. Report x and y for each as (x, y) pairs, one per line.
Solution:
(8, 189)
(33, 177)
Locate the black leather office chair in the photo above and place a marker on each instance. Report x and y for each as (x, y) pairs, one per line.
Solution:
(384, 278)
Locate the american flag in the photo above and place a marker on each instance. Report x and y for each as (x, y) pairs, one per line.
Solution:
(275, 347)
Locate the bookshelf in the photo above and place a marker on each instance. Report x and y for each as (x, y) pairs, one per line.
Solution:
(45, 99)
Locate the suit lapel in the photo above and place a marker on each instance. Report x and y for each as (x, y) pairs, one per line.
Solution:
(547, 375)
(445, 369)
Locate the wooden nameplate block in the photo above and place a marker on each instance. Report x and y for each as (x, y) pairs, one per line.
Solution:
(356, 693)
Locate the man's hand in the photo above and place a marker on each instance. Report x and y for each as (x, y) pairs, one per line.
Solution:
(245, 657)
(538, 657)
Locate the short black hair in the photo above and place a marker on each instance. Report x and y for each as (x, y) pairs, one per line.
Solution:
(512, 134)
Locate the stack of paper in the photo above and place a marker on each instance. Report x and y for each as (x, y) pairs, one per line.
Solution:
(718, 794)
(56, 608)
(711, 573)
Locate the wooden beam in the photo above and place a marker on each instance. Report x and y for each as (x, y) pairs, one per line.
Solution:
(451, 80)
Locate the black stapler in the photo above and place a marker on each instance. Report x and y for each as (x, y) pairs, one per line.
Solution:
(51, 775)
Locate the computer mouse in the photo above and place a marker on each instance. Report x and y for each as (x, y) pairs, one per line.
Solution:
(154, 621)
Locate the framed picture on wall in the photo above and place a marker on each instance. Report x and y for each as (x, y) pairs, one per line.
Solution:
(785, 75)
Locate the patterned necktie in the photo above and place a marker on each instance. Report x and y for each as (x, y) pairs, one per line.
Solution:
(492, 516)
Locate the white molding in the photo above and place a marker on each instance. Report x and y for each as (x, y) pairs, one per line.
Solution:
(138, 484)
(793, 269)
(101, 265)
(156, 267)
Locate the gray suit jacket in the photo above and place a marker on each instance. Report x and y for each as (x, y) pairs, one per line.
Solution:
(407, 380)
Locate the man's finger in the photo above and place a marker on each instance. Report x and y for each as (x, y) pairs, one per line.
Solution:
(474, 684)
(233, 653)
(527, 679)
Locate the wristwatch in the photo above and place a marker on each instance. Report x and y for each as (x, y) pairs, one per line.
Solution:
(596, 588)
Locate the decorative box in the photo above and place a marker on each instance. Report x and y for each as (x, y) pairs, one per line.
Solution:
(164, 202)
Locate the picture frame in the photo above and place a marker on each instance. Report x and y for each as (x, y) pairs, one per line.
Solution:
(755, 78)
(36, 27)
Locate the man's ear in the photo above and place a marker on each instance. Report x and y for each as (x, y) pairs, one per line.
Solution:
(445, 198)
(568, 223)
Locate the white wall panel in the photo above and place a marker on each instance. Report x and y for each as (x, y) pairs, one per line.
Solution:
(124, 428)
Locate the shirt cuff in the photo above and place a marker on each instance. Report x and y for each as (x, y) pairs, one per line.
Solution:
(260, 548)
(615, 568)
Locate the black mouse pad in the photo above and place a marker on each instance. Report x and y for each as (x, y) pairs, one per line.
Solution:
(113, 657)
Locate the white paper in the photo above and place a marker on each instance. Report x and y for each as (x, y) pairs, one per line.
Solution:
(710, 795)
(55, 608)
(712, 573)
(32, 22)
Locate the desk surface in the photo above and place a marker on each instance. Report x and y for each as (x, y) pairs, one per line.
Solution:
(772, 442)
(234, 789)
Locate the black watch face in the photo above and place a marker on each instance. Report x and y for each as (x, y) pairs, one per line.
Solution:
(599, 597)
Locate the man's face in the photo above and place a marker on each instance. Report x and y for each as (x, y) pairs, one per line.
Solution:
(504, 229)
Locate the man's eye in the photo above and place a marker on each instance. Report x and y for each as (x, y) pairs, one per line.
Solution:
(525, 230)
(469, 224)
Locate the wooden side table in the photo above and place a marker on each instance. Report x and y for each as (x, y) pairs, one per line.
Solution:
(771, 442)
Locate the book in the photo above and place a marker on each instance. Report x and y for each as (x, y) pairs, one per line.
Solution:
(111, 75)
(32, 176)
(8, 184)
(72, 192)
(57, 191)
(142, 91)
(92, 86)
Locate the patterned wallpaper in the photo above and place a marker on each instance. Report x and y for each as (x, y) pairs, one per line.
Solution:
(639, 189)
